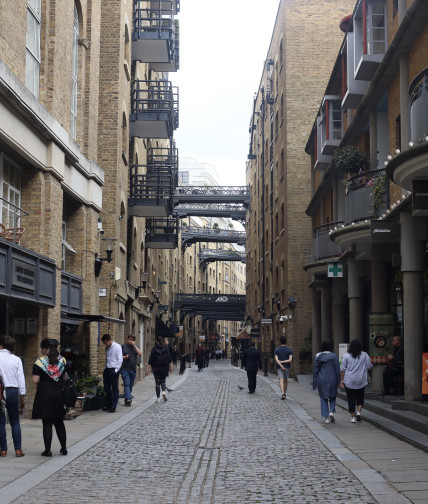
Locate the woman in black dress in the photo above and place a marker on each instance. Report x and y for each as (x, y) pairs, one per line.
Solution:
(48, 373)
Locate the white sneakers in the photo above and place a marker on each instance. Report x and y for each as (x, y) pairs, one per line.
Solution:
(165, 398)
(353, 420)
(332, 419)
(327, 419)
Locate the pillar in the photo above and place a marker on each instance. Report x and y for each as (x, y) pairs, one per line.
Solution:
(326, 333)
(316, 322)
(356, 300)
(413, 263)
(338, 314)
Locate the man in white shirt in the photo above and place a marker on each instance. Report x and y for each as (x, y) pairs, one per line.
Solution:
(114, 359)
(12, 374)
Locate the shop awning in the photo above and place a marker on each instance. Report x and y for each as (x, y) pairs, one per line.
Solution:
(163, 330)
(90, 318)
(244, 334)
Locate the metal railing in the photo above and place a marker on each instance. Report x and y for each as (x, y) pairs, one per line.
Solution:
(154, 98)
(419, 107)
(322, 246)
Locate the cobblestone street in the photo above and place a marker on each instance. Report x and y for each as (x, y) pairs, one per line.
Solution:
(211, 442)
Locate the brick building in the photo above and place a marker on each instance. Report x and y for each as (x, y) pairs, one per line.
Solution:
(278, 242)
(368, 159)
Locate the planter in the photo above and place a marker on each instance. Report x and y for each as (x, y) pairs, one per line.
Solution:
(94, 403)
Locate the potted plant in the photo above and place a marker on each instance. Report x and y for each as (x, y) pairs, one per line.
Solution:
(350, 159)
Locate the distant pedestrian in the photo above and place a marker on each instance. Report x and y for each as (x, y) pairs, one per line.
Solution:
(354, 370)
(200, 356)
(326, 378)
(160, 362)
(128, 371)
(49, 405)
(12, 374)
(114, 360)
(395, 365)
(252, 363)
(283, 358)
(174, 355)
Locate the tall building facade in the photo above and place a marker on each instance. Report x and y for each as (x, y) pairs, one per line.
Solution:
(278, 231)
(368, 150)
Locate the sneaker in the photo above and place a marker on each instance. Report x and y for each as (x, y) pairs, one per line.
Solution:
(157, 399)
(165, 398)
(358, 417)
(283, 396)
(353, 420)
(127, 402)
(332, 419)
(327, 419)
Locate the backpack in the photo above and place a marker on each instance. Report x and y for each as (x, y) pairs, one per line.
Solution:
(161, 356)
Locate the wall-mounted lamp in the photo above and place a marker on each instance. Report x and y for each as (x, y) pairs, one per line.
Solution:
(144, 276)
(157, 296)
(99, 260)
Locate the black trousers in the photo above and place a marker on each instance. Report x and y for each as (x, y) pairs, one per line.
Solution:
(252, 380)
(388, 378)
(354, 396)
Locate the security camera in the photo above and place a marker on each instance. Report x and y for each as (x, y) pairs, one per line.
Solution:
(281, 319)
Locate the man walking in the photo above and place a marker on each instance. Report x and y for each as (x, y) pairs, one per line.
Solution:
(252, 362)
(160, 361)
(395, 366)
(130, 352)
(114, 360)
(283, 358)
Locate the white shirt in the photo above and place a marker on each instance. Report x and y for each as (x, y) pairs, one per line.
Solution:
(114, 356)
(356, 370)
(11, 371)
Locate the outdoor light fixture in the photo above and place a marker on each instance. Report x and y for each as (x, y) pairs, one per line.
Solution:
(99, 260)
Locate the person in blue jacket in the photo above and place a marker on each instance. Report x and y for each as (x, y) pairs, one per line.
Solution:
(326, 378)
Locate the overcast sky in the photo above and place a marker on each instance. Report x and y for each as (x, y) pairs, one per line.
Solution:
(223, 46)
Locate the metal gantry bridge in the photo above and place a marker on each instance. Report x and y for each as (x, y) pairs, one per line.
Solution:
(190, 234)
(211, 306)
(211, 255)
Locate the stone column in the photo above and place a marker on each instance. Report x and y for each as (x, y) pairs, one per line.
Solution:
(404, 101)
(316, 321)
(380, 300)
(356, 301)
(339, 313)
(413, 260)
(326, 313)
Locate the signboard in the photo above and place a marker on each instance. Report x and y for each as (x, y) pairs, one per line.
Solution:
(202, 337)
(382, 231)
(425, 373)
(24, 275)
(266, 321)
(102, 292)
(255, 333)
(420, 197)
(381, 331)
(335, 269)
(343, 348)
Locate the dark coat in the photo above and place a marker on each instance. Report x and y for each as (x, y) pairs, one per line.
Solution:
(326, 376)
(251, 359)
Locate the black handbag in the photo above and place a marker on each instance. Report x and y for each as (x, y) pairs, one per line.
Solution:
(2, 395)
(70, 392)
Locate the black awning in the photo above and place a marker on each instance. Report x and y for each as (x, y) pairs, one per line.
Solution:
(163, 330)
(90, 318)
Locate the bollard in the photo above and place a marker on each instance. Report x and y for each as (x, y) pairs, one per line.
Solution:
(266, 373)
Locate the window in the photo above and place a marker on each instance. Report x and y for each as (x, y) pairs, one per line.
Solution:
(74, 73)
(32, 63)
(375, 26)
(336, 120)
(10, 185)
(184, 175)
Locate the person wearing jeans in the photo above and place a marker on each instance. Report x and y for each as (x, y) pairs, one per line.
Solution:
(12, 374)
(114, 360)
(128, 371)
(326, 378)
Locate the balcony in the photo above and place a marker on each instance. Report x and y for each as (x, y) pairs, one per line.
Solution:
(419, 107)
(162, 233)
(355, 89)
(366, 196)
(173, 5)
(150, 193)
(153, 35)
(174, 64)
(322, 162)
(322, 246)
(154, 109)
(329, 126)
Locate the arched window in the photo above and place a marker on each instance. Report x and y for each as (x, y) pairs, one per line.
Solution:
(74, 73)
(32, 63)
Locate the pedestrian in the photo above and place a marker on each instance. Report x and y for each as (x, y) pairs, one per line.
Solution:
(49, 405)
(326, 377)
(128, 371)
(160, 362)
(283, 357)
(12, 374)
(354, 371)
(252, 362)
(174, 355)
(114, 360)
(395, 366)
(200, 356)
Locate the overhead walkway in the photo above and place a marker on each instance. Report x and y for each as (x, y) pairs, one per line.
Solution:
(211, 306)
(211, 255)
(213, 194)
(235, 212)
(191, 235)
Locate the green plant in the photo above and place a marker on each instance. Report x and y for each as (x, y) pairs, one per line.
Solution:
(100, 391)
(379, 189)
(88, 384)
(305, 352)
(350, 159)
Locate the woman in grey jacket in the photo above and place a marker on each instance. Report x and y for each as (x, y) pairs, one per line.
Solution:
(326, 378)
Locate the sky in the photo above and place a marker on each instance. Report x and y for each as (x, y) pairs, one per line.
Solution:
(223, 46)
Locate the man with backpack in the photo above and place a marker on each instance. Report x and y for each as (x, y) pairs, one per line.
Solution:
(160, 361)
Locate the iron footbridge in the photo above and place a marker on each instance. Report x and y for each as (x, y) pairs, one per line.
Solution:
(211, 255)
(211, 306)
(191, 235)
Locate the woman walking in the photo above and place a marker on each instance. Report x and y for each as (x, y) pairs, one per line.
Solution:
(355, 366)
(160, 361)
(49, 405)
(326, 377)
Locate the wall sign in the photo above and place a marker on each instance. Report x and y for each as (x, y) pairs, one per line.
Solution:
(24, 275)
